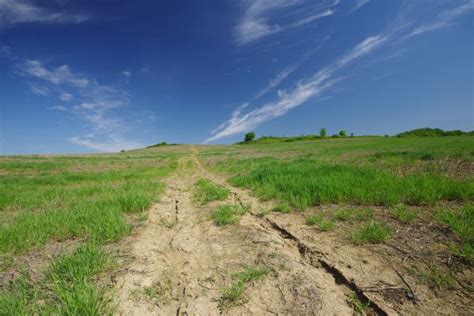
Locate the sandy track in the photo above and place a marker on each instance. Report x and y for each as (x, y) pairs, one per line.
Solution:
(182, 260)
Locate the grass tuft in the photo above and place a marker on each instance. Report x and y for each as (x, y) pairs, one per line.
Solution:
(461, 222)
(207, 191)
(324, 224)
(229, 214)
(282, 208)
(233, 295)
(403, 214)
(372, 232)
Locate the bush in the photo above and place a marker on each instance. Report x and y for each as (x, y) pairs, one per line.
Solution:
(249, 137)
(323, 132)
(342, 133)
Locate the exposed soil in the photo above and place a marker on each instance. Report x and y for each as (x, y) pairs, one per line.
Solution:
(180, 262)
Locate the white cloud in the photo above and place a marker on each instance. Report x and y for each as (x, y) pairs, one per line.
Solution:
(313, 17)
(60, 75)
(60, 108)
(112, 143)
(259, 18)
(39, 89)
(97, 105)
(126, 74)
(359, 4)
(304, 90)
(276, 81)
(26, 11)
(444, 19)
(362, 48)
(66, 97)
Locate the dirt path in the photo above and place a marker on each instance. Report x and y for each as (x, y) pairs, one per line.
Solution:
(182, 261)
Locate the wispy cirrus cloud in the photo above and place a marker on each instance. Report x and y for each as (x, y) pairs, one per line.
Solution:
(93, 103)
(358, 4)
(61, 75)
(263, 18)
(310, 87)
(443, 19)
(27, 11)
(282, 75)
(321, 81)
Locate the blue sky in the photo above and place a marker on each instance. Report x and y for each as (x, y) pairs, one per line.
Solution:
(105, 75)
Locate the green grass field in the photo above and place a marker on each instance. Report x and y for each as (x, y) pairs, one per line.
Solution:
(89, 202)
(400, 175)
(94, 200)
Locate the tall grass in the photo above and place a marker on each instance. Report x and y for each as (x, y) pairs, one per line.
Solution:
(68, 288)
(461, 222)
(91, 199)
(304, 183)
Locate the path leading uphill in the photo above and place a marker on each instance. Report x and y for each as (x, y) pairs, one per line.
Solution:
(182, 260)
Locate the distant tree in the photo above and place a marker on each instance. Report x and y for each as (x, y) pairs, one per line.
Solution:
(342, 133)
(385, 135)
(323, 132)
(122, 151)
(249, 137)
(352, 134)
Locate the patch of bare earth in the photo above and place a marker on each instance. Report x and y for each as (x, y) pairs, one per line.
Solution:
(182, 261)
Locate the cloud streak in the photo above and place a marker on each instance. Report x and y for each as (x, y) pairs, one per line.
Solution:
(94, 104)
(276, 81)
(359, 4)
(61, 75)
(14, 12)
(314, 86)
(263, 18)
(304, 90)
(444, 19)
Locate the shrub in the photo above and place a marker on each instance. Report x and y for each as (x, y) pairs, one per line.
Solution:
(249, 137)
(323, 132)
(342, 133)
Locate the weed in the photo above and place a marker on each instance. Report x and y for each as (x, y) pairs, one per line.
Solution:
(363, 214)
(403, 214)
(232, 296)
(461, 222)
(281, 208)
(343, 215)
(159, 292)
(272, 255)
(314, 219)
(229, 214)
(436, 278)
(207, 191)
(324, 224)
(371, 232)
(263, 213)
(167, 224)
(359, 307)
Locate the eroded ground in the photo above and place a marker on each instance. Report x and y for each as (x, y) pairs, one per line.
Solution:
(182, 263)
